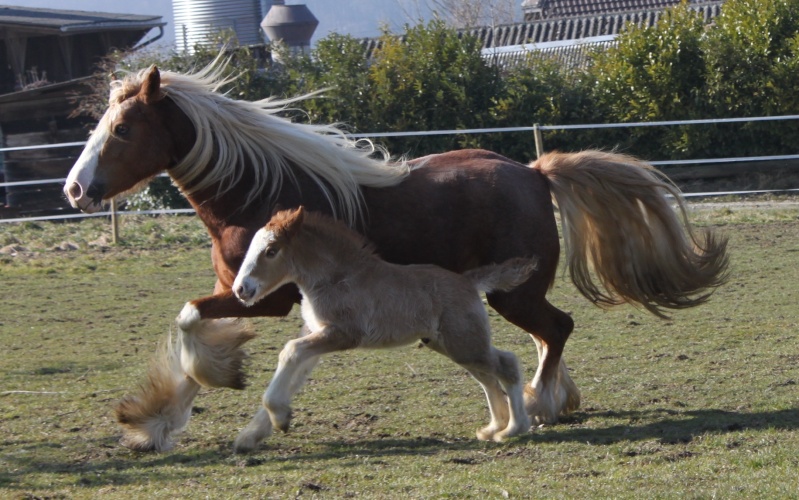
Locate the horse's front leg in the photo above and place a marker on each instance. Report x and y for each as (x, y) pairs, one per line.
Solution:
(207, 351)
(211, 341)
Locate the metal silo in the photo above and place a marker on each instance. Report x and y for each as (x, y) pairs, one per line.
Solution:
(195, 20)
(294, 25)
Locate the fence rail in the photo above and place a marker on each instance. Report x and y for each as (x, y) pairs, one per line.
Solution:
(535, 129)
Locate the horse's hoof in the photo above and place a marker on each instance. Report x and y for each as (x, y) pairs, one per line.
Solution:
(145, 444)
(572, 402)
(534, 408)
(486, 433)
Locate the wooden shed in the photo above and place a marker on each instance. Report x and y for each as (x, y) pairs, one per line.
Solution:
(46, 56)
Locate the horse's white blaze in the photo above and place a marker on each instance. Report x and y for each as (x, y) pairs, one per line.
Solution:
(82, 173)
(253, 282)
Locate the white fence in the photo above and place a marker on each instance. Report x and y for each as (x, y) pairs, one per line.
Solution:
(534, 129)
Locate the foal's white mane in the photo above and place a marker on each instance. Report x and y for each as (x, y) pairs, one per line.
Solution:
(236, 135)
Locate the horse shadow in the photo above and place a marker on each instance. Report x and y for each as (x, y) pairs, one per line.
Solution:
(669, 427)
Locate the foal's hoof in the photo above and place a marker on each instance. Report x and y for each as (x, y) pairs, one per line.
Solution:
(281, 419)
(509, 432)
(487, 433)
(245, 444)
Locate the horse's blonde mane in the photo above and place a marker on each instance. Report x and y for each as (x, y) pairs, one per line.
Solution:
(235, 135)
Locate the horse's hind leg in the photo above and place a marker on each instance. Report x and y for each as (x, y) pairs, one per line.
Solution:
(552, 391)
(563, 393)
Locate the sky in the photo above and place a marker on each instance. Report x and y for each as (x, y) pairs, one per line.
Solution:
(359, 18)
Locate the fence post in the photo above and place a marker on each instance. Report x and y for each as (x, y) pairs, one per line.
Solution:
(114, 222)
(539, 141)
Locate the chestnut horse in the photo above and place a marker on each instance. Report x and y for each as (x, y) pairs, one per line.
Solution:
(235, 161)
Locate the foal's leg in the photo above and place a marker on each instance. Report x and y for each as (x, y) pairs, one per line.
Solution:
(208, 352)
(496, 371)
(260, 427)
(295, 362)
(497, 404)
(510, 376)
(500, 372)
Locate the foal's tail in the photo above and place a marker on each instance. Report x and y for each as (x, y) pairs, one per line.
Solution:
(619, 223)
(502, 277)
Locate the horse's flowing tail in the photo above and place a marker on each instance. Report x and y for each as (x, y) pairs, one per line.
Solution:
(203, 353)
(619, 223)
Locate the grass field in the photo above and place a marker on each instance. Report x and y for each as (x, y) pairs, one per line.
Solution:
(703, 405)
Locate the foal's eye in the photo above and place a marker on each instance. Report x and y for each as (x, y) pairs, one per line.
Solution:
(121, 129)
(271, 252)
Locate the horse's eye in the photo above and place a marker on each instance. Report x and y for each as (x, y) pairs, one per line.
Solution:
(271, 252)
(121, 129)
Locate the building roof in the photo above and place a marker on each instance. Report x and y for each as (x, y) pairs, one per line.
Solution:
(66, 22)
(571, 28)
(569, 53)
(521, 38)
(552, 9)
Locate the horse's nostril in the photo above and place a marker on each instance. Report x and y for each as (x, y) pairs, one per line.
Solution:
(94, 192)
(239, 291)
(75, 191)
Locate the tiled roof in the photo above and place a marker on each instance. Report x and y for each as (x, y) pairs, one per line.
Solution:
(551, 9)
(514, 37)
(576, 27)
(569, 53)
(568, 40)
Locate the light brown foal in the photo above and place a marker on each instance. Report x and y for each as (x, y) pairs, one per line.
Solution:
(352, 298)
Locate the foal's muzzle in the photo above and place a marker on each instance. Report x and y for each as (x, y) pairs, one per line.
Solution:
(245, 292)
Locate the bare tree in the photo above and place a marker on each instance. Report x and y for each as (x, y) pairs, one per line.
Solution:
(463, 13)
(471, 13)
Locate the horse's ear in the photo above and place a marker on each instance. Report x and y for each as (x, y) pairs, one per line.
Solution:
(151, 87)
(295, 221)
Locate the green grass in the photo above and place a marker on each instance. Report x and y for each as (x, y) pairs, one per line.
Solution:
(703, 405)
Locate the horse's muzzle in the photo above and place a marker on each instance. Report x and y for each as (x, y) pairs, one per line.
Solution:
(88, 200)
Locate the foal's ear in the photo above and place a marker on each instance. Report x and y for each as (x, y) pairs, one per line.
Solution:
(151, 87)
(294, 221)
